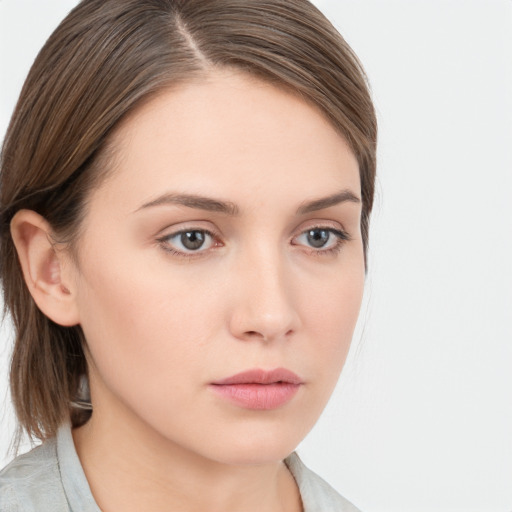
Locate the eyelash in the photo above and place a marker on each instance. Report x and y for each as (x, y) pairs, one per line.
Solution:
(164, 243)
(341, 238)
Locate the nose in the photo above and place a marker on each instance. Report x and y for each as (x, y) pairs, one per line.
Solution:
(264, 299)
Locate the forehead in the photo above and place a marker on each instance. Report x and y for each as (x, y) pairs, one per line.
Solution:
(234, 136)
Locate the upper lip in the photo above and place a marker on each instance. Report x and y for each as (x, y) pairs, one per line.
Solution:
(259, 376)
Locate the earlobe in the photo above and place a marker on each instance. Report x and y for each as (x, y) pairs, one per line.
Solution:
(42, 266)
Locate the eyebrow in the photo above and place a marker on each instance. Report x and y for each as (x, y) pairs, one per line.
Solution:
(326, 202)
(194, 201)
(229, 208)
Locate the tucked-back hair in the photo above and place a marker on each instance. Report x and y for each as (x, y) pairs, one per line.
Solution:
(103, 60)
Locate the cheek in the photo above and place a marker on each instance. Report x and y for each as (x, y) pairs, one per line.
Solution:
(332, 312)
(145, 327)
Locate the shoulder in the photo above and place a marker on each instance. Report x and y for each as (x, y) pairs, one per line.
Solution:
(32, 482)
(317, 495)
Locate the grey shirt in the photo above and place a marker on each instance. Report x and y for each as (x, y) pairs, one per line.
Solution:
(50, 478)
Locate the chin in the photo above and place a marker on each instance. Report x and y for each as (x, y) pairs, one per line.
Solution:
(236, 437)
(257, 444)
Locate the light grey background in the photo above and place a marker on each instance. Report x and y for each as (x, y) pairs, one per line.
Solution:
(422, 418)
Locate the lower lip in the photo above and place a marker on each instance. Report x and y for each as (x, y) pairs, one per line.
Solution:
(262, 397)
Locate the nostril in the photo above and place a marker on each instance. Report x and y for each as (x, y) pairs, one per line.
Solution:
(257, 334)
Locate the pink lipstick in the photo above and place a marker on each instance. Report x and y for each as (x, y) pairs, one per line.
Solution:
(259, 389)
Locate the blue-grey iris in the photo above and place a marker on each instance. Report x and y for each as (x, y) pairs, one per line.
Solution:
(318, 237)
(192, 240)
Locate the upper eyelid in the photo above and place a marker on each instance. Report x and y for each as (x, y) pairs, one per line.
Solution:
(187, 230)
(206, 224)
(174, 234)
(169, 231)
(321, 224)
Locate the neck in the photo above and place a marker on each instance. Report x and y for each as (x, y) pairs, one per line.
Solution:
(130, 467)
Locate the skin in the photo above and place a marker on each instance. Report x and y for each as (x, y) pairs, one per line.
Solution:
(161, 326)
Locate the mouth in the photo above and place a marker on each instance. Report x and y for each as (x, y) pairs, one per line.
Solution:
(259, 389)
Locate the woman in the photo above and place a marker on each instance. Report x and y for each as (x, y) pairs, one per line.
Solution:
(185, 196)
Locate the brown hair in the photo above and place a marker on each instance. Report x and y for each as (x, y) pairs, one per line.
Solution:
(104, 59)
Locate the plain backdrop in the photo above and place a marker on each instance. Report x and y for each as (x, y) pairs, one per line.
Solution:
(422, 418)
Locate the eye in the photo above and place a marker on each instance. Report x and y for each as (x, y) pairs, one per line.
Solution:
(322, 238)
(188, 241)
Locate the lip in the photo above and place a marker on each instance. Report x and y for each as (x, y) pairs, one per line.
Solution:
(259, 389)
(259, 376)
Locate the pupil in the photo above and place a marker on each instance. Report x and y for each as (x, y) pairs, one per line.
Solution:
(318, 237)
(192, 240)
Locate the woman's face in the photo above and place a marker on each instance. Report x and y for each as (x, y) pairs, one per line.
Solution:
(226, 239)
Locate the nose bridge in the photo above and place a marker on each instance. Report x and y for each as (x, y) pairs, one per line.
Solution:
(264, 307)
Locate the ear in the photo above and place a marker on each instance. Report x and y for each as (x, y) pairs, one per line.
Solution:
(43, 265)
